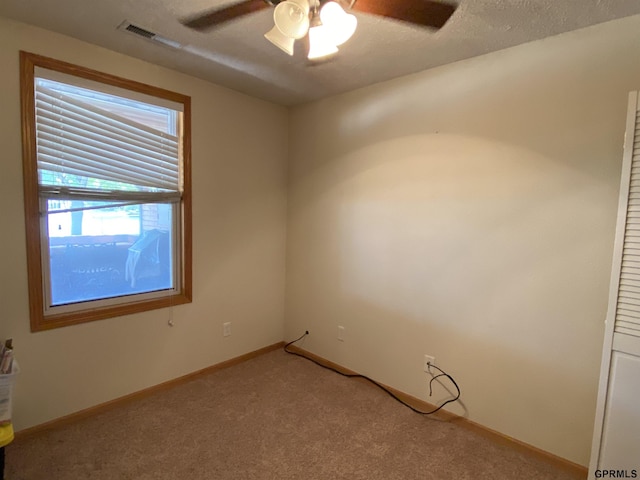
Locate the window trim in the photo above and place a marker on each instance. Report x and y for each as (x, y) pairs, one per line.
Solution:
(35, 271)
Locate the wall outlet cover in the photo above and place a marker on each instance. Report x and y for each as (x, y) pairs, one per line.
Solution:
(428, 359)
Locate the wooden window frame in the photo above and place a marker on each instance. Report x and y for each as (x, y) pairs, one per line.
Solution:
(38, 320)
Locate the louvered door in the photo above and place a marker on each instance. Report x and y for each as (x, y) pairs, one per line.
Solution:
(627, 320)
(616, 438)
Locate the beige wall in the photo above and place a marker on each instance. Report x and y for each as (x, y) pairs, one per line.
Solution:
(239, 218)
(468, 212)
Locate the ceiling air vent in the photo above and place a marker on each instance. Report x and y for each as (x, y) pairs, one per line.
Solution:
(139, 31)
(144, 33)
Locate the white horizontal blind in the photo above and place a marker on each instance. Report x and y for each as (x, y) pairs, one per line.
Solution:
(628, 306)
(75, 137)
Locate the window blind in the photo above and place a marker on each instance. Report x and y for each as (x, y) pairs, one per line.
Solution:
(77, 138)
(628, 305)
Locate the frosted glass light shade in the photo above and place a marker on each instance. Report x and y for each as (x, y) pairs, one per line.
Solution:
(321, 44)
(303, 4)
(340, 25)
(280, 40)
(292, 18)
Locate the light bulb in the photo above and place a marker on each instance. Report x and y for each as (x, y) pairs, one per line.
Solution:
(340, 25)
(320, 43)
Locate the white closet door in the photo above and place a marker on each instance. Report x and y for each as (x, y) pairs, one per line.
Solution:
(616, 437)
(621, 428)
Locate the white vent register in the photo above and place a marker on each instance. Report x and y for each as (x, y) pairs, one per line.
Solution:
(147, 34)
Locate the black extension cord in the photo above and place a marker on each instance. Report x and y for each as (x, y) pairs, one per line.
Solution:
(380, 386)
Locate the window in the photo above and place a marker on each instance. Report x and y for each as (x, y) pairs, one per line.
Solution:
(107, 194)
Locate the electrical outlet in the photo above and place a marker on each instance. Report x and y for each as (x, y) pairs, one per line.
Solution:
(428, 359)
(226, 329)
(341, 333)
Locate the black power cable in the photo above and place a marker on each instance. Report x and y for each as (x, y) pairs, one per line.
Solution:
(380, 386)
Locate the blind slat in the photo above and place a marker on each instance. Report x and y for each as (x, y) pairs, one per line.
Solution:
(75, 137)
(46, 121)
(109, 156)
(63, 193)
(92, 126)
(96, 171)
(64, 104)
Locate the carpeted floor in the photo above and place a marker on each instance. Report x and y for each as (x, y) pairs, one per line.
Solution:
(276, 416)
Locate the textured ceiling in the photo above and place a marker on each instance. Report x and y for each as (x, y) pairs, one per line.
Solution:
(237, 56)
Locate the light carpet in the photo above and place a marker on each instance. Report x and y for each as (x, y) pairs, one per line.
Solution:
(276, 416)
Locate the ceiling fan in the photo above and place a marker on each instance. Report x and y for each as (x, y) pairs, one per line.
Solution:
(325, 22)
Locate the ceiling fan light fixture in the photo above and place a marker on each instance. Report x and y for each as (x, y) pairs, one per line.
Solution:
(296, 18)
(292, 18)
(280, 40)
(340, 25)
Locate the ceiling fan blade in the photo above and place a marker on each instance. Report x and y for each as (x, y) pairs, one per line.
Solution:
(215, 17)
(427, 13)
